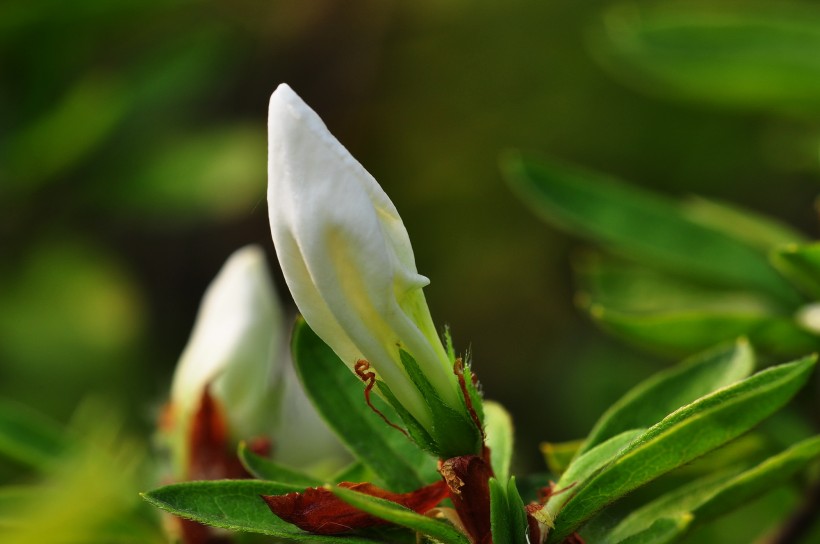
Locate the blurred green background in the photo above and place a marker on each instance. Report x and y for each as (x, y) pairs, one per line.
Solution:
(132, 163)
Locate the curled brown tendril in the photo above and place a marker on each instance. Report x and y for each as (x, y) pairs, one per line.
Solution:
(362, 370)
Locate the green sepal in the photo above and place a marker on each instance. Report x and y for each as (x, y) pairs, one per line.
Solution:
(476, 398)
(415, 429)
(454, 433)
(339, 398)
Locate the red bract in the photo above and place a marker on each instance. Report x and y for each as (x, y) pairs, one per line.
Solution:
(317, 510)
(467, 479)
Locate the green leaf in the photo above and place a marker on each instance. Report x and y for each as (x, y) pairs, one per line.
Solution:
(769, 474)
(682, 436)
(416, 430)
(640, 224)
(801, 265)
(339, 397)
(266, 469)
(236, 505)
(398, 514)
(500, 521)
(755, 229)
(684, 332)
(519, 526)
(559, 455)
(588, 464)
(677, 503)
(662, 531)
(29, 438)
(750, 58)
(499, 430)
(661, 394)
(710, 497)
(627, 287)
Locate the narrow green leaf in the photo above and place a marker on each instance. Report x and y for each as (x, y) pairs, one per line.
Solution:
(683, 332)
(682, 436)
(29, 438)
(677, 503)
(500, 521)
(767, 475)
(750, 58)
(588, 464)
(662, 531)
(339, 397)
(499, 430)
(236, 505)
(640, 224)
(398, 514)
(519, 527)
(717, 494)
(757, 230)
(651, 400)
(266, 469)
(626, 287)
(801, 265)
(453, 432)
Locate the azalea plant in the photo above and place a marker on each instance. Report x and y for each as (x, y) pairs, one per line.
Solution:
(432, 457)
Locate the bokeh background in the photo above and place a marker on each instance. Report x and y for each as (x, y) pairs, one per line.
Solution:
(132, 163)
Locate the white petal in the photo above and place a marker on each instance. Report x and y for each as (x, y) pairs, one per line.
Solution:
(346, 255)
(232, 347)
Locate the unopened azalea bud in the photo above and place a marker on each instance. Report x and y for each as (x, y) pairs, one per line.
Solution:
(231, 355)
(348, 262)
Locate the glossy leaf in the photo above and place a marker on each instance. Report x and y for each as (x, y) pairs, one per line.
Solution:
(395, 513)
(339, 397)
(684, 435)
(588, 464)
(757, 230)
(236, 505)
(684, 332)
(717, 494)
(640, 224)
(653, 399)
(499, 429)
(266, 469)
(626, 287)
